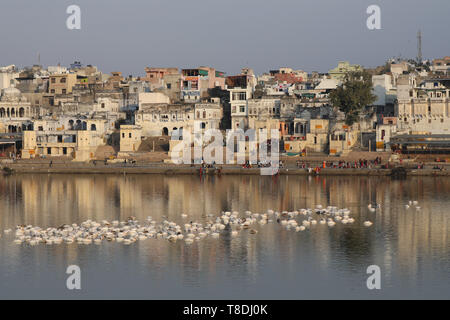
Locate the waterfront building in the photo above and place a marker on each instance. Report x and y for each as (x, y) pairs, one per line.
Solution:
(164, 119)
(384, 132)
(67, 136)
(15, 111)
(423, 107)
(130, 138)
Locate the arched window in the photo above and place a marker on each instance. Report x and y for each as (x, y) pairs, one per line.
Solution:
(21, 112)
(204, 114)
(93, 127)
(2, 113)
(165, 131)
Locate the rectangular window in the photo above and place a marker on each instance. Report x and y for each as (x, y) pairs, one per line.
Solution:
(129, 135)
(242, 109)
(239, 96)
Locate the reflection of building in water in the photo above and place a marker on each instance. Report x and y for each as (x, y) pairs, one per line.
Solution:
(131, 198)
(400, 238)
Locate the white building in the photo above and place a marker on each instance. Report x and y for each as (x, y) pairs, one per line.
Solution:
(424, 109)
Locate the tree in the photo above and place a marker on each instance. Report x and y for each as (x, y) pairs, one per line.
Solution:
(353, 95)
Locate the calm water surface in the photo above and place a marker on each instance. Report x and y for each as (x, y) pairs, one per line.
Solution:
(411, 247)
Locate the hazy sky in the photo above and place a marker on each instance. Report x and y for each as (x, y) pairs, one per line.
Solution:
(128, 35)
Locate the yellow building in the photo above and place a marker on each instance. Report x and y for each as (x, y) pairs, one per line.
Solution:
(130, 138)
(79, 145)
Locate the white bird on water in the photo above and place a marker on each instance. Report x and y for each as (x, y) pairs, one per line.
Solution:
(367, 223)
(130, 231)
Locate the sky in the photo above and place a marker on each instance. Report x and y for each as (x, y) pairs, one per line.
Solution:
(312, 35)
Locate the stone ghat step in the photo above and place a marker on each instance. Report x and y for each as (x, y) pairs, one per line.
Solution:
(172, 170)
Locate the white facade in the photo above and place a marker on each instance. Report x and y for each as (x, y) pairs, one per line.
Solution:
(382, 84)
(424, 109)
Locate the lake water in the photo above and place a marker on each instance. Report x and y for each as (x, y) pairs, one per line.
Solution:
(410, 246)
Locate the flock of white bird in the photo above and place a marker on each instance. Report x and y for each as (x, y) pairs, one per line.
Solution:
(411, 204)
(130, 231)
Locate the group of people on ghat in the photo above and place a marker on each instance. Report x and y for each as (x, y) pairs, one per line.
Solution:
(260, 164)
(341, 164)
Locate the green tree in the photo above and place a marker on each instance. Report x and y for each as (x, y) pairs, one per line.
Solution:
(353, 95)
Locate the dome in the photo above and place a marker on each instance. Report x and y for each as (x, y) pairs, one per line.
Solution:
(11, 94)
